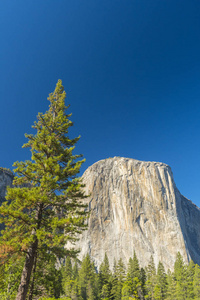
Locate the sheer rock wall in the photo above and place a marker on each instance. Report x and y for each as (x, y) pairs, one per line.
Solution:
(135, 205)
(6, 178)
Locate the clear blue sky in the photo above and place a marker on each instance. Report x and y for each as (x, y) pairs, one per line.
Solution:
(131, 70)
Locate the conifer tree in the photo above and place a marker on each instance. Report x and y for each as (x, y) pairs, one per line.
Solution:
(67, 269)
(136, 267)
(120, 270)
(180, 278)
(160, 289)
(189, 280)
(129, 270)
(75, 269)
(143, 281)
(114, 280)
(196, 282)
(118, 280)
(49, 281)
(151, 279)
(171, 286)
(70, 280)
(44, 210)
(87, 279)
(104, 279)
(67, 281)
(157, 292)
(133, 267)
(126, 291)
(104, 269)
(133, 282)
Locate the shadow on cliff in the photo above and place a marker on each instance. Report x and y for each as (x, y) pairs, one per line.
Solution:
(189, 219)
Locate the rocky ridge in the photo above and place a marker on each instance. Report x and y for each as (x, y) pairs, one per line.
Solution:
(135, 205)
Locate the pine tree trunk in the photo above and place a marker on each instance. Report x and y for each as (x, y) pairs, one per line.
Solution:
(33, 279)
(26, 273)
(29, 262)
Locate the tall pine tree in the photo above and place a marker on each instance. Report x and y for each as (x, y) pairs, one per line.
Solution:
(180, 277)
(88, 279)
(151, 279)
(171, 286)
(118, 280)
(133, 284)
(104, 279)
(160, 289)
(43, 210)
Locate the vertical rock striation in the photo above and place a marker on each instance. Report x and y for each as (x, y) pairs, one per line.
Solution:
(135, 205)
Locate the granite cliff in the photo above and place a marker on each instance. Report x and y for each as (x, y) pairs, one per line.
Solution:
(6, 178)
(135, 205)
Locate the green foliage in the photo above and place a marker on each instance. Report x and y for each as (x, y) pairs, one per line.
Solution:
(160, 289)
(143, 280)
(104, 279)
(6, 169)
(79, 281)
(180, 276)
(118, 280)
(49, 186)
(133, 285)
(50, 298)
(67, 278)
(88, 279)
(10, 278)
(104, 270)
(2, 277)
(190, 270)
(48, 278)
(171, 284)
(151, 279)
(196, 282)
(44, 210)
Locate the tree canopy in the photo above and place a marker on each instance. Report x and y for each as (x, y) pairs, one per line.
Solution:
(44, 209)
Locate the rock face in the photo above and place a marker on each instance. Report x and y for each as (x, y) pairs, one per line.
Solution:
(135, 205)
(6, 178)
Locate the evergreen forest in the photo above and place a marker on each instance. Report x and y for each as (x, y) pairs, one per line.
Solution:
(77, 280)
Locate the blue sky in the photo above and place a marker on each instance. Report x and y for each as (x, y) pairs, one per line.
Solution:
(131, 70)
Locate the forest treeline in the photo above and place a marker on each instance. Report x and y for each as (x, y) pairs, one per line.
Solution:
(80, 280)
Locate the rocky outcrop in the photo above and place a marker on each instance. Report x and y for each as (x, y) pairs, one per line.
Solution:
(6, 178)
(135, 205)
